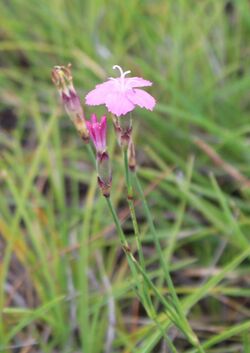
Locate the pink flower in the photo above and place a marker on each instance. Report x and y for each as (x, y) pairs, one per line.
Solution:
(97, 132)
(120, 95)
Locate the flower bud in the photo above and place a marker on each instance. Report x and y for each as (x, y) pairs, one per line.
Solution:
(104, 175)
(123, 130)
(62, 79)
(97, 131)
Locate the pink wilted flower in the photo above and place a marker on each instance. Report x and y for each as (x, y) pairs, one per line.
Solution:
(97, 131)
(121, 95)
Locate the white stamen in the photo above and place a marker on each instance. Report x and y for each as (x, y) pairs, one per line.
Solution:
(123, 74)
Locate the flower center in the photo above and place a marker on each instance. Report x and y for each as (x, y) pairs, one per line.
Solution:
(122, 77)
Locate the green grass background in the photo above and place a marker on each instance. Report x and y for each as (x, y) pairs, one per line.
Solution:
(65, 284)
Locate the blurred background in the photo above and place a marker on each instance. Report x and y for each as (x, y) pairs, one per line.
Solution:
(65, 285)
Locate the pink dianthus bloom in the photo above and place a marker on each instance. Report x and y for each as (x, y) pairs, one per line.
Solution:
(97, 131)
(121, 95)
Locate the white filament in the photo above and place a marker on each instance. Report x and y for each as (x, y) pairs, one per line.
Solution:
(123, 74)
(120, 81)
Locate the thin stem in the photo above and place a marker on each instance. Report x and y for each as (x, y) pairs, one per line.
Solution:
(164, 265)
(117, 223)
(157, 242)
(20, 212)
(132, 208)
(122, 237)
(126, 249)
(132, 261)
(136, 232)
(91, 154)
(164, 334)
(127, 174)
(138, 243)
(135, 266)
(83, 264)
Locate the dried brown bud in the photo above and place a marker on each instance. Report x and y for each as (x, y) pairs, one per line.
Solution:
(62, 78)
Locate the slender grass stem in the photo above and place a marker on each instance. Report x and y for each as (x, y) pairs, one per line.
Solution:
(83, 263)
(145, 293)
(130, 201)
(132, 209)
(164, 334)
(193, 338)
(19, 213)
(136, 267)
(139, 245)
(127, 174)
(121, 235)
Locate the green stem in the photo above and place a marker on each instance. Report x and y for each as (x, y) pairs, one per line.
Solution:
(135, 266)
(194, 339)
(139, 245)
(91, 154)
(164, 334)
(117, 223)
(132, 208)
(157, 243)
(132, 261)
(20, 212)
(83, 263)
(127, 174)
(159, 249)
(145, 292)
(122, 237)
(136, 232)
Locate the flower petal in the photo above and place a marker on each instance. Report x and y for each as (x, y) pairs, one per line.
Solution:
(137, 82)
(93, 119)
(91, 131)
(118, 104)
(97, 131)
(99, 93)
(141, 98)
(103, 126)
